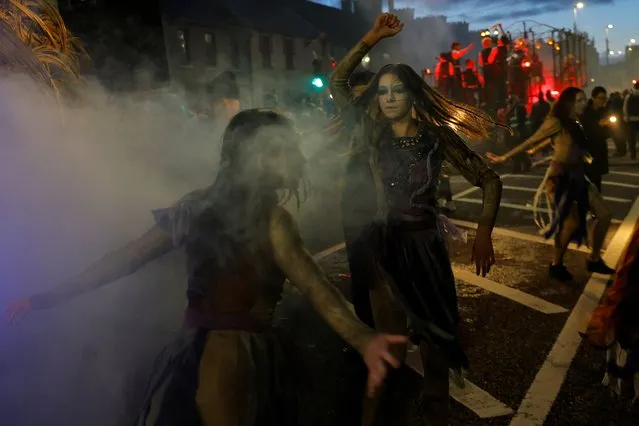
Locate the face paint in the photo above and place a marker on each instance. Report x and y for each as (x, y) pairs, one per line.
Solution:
(394, 99)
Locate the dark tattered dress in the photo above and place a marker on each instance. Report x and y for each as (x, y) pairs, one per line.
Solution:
(223, 368)
(410, 244)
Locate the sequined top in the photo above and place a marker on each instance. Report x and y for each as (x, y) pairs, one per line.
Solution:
(409, 168)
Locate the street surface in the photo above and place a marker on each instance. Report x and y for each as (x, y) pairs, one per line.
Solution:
(528, 365)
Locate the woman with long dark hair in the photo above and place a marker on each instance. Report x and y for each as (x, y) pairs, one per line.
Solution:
(406, 129)
(569, 193)
(241, 245)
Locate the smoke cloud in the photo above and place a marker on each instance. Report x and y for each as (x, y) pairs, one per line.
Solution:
(75, 184)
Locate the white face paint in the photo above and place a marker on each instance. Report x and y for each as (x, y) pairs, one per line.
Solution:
(394, 99)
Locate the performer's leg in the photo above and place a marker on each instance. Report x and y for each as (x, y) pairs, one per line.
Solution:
(390, 318)
(435, 390)
(226, 393)
(567, 229)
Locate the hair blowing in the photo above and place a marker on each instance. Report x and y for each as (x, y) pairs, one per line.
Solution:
(430, 106)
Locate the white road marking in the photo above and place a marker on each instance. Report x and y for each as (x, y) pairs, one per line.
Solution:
(625, 174)
(544, 390)
(328, 251)
(471, 396)
(513, 294)
(523, 207)
(620, 184)
(520, 235)
(533, 190)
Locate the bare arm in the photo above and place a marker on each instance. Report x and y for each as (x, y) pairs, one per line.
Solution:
(477, 172)
(548, 129)
(110, 268)
(339, 81)
(300, 268)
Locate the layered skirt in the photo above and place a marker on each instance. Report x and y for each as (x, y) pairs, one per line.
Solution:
(415, 258)
(215, 378)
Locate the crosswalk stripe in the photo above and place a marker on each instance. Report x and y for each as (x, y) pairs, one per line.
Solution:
(471, 395)
(511, 293)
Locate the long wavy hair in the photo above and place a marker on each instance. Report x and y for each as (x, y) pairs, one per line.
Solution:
(563, 109)
(429, 105)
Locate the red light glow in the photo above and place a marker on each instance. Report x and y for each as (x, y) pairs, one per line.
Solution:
(526, 64)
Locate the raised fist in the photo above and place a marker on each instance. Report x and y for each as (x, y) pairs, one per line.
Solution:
(387, 25)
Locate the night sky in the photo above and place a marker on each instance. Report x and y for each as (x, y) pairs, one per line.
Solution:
(593, 18)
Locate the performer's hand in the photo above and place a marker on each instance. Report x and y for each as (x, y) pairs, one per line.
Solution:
(387, 25)
(483, 254)
(376, 358)
(495, 159)
(17, 309)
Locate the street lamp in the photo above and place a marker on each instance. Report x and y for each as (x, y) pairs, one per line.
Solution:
(577, 6)
(608, 52)
(632, 41)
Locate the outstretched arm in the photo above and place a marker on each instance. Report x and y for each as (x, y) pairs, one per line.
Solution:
(477, 172)
(548, 129)
(300, 268)
(110, 268)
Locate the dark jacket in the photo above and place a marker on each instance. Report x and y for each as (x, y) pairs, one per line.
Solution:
(597, 137)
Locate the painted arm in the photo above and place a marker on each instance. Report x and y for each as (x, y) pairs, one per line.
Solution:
(536, 149)
(339, 81)
(110, 268)
(550, 127)
(477, 172)
(300, 268)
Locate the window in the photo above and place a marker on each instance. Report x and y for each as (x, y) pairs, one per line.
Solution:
(265, 50)
(235, 54)
(183, 46)
(210, 50)
(289, 53)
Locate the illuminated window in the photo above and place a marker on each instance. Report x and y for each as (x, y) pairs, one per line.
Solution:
(183, 46)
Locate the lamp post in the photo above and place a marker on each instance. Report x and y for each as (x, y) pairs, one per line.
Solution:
(577, 6)
(608, 28)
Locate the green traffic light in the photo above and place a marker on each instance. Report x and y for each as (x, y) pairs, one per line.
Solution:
(317, 82)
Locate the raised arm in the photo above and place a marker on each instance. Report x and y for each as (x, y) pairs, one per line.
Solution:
(110, 268)
(385, 25)
(306, 275)
(549, 128)
(477, 172)
(458, 54)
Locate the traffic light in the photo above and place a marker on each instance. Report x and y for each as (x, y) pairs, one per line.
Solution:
(317, 82)
(333, 63)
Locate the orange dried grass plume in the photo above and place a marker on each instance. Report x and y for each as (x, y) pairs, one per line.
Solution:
(34, 40)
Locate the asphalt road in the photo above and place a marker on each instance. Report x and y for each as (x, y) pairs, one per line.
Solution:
(528, 366)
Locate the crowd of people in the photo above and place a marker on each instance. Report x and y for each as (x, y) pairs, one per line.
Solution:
(241, 244)
(503, 66)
